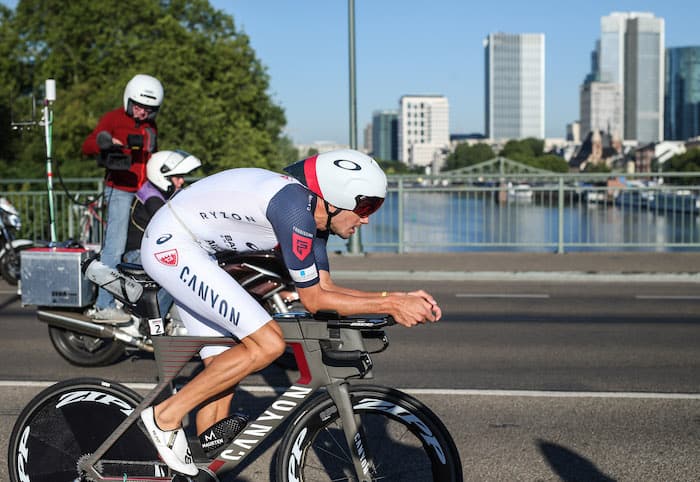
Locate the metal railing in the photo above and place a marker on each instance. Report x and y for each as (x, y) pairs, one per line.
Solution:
(497, 212)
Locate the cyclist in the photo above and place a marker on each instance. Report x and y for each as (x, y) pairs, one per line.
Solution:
(244, 210)
(134, 128)
(165, 171)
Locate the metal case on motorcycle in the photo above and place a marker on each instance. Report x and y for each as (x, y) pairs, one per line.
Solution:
(52, 277)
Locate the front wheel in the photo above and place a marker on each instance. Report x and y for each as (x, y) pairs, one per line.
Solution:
(404, 440)
(69, 420)
(85, 350)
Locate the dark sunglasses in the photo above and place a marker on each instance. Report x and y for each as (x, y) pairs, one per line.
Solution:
(366, 205)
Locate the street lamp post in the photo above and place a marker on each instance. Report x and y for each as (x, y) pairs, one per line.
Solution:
(354, 244)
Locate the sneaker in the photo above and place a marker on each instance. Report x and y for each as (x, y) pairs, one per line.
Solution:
(108, 315)
(171, 445)
(222, 433)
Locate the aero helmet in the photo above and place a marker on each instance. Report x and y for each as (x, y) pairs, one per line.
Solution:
(145, 91)
(345, 178)
(164, 164)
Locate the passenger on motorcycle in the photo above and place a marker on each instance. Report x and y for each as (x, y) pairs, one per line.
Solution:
(245, 210)
(165, 172)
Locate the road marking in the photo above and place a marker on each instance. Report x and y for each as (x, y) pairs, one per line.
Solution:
(669, 297)
(501, 295)
(430, 391)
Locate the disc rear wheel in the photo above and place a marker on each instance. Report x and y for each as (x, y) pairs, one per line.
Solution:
(69, 421)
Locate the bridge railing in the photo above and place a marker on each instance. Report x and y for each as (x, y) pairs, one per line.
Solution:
(496, 212)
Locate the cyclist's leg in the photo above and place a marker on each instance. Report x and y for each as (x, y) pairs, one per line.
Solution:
(213, 299)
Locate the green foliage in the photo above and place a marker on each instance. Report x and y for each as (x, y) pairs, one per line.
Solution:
(397, 167)
(523, 150)
(689, 161)
(467, 155)
(530, 151)
(216, 103)
(592, 168)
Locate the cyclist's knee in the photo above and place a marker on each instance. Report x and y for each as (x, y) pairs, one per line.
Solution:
(265, 346)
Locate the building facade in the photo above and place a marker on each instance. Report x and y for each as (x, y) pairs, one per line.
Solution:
(385, 135)
(514, 85)
(682, 103)
(423, 129)
(632, 56)
(601, 108)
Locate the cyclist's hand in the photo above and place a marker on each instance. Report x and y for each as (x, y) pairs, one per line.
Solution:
(415, 307)
(435, 309)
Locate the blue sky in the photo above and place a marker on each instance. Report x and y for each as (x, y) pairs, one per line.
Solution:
(423, 47)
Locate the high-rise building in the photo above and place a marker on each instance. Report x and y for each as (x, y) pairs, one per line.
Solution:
(385, 135)
(601, 108)
(514, 68)
(631, 55)
(682, 105)
(424, 130)
(367, 133)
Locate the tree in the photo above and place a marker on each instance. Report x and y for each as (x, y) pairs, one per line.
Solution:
(467, 155)
(216, 102)
(689, 161)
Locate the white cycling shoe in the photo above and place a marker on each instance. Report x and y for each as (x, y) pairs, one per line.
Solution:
(171, 445)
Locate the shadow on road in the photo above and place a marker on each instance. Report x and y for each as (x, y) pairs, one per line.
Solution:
(569, 465)
(10, 300)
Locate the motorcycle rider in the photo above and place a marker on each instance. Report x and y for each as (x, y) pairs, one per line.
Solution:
(165, 173)
(245, 210)
(133, 127)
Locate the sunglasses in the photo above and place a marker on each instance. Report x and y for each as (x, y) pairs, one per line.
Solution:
(366, 205)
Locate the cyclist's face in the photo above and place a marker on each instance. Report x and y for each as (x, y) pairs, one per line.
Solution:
(345, 223)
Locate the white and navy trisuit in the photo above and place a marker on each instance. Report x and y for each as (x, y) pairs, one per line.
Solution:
(239, 210)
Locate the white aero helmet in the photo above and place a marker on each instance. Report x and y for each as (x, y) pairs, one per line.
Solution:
(345, 178)
(146, 91)
(164, 164)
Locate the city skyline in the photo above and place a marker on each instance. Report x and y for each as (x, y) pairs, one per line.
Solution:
(445, 45)
(404, 48)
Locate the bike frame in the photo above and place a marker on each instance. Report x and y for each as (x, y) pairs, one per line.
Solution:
(328, 352)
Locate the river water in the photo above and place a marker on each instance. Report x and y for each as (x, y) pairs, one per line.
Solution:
(475, 221)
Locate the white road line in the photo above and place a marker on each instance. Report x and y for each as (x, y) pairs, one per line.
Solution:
(669, 297)
(433, 391)
(502, 295)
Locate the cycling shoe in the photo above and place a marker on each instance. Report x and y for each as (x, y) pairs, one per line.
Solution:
(171, 445)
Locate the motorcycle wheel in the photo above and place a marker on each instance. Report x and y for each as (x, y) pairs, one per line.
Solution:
(85, 350)
(9, 265)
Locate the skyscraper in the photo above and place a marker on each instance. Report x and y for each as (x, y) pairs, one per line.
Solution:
(514, 68)
(385, 135)
(631, 55)
(682, 105)
(424, 129)
(601, 108)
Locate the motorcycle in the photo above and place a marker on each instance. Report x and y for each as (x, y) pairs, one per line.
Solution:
(10, 247)
(82, 342)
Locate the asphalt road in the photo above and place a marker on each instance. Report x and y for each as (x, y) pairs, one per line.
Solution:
(535, 380)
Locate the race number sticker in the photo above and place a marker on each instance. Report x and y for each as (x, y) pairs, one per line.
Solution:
(168, 258)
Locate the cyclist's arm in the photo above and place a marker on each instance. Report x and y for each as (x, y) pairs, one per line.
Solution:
(407, 309)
